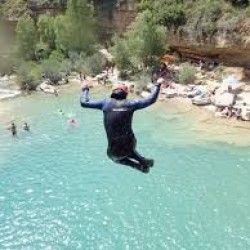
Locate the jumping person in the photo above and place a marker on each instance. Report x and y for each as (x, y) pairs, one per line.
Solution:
(118, 115)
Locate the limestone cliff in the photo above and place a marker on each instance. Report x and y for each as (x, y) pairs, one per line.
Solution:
(230, 47)
(228, 43)
(114, 15)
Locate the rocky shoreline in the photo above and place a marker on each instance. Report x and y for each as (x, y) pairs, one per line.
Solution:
(216, 92)
(228, 97)
(8, 88)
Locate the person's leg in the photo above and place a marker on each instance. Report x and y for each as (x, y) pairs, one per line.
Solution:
(134, 155)
(123, 151)
(142, 160)
(128, 162)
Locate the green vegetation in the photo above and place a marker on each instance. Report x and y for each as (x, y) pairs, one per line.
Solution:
(141, 46)
(46, 30)
(93, 64)
(187, 73)
(75, 31)
(13, 9)
(26, 37)
(60, 43)
(197, 20)
(28, 75)
(46, 45)
(200, 18)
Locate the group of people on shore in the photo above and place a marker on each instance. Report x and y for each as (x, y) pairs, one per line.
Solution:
(13, 128)
(233, 112)
(224, 95)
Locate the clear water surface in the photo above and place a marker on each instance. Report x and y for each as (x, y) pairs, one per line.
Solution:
(58, 190)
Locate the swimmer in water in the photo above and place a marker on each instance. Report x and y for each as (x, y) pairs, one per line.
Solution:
(71, 122)
(60, 112)
(26, 127)
(118, 114)
(13, 129)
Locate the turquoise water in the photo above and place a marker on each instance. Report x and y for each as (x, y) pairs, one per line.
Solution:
(58, 190)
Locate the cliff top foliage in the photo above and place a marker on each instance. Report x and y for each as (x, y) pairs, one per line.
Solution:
(15, 8)
(201, 19)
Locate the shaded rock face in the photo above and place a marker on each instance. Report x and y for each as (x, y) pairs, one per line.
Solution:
(46, 7)
(231, 49)
(114, 16)
(50, 4)
(229, 56)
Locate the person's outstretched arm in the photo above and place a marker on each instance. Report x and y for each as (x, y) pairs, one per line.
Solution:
(86, 103)
(145, 102)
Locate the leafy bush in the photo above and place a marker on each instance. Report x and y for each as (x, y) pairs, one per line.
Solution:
(28, 76)
(171, 13)
(124, 74)
(94, 64)
(142, 82)
(220, 70)
(57, 56)
(187, 73)
(76, 61)
(52, 70)
(42, 51)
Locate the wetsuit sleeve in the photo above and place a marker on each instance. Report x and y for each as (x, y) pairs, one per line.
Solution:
(86, 103)
(145, 102)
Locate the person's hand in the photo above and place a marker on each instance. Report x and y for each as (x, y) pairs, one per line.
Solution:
(160, 81)
(85, 85)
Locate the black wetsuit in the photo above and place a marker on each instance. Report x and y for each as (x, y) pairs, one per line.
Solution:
(118, 115)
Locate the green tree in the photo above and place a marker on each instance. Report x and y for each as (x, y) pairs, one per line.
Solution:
(75, 31)
(28, 75)
(46, 31)
(26, 37)
(146, 40)
(120, 53)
